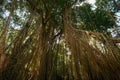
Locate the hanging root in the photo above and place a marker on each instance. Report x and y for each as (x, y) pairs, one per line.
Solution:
(93, 56)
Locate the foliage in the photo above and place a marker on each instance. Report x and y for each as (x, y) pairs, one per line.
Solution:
(98, 20)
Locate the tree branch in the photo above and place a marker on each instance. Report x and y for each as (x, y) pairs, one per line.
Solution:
(33, 7)
(115, 40)
(116, 4)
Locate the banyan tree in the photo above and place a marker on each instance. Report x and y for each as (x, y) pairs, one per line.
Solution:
(39, 41)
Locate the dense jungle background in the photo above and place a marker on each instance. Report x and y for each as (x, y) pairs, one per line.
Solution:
(59, 40)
